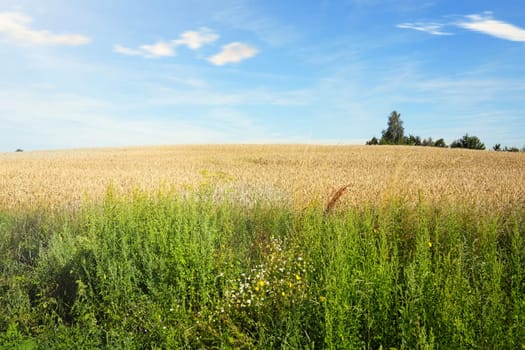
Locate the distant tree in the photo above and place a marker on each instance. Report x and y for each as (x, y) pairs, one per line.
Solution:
(440, 143)
(373, 141)
(470, 142)
(497, 148)
(428, 142)
(394, 134)
(19, 150)
(414, 140)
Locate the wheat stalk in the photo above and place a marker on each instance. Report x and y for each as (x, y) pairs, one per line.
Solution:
(334, 198)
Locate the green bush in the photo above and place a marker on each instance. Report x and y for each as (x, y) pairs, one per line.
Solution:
(470, 142)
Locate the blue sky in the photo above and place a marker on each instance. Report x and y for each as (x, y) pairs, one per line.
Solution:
(114, 73)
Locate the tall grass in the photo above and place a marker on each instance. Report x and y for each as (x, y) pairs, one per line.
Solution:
(166, 271)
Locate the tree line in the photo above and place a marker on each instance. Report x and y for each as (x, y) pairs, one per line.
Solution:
(394, 134)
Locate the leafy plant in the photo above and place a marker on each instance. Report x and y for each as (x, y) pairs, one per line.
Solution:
(469, 142)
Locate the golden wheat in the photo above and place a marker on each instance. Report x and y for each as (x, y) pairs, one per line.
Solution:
(300, 174)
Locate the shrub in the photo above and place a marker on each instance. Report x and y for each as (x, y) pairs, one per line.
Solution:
(470, 142)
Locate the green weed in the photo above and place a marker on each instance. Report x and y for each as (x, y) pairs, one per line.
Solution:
(163, 271)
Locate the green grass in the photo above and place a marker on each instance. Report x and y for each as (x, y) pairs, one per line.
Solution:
(166, 271)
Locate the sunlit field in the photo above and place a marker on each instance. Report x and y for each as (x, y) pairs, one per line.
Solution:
(254, 247)
(298, 174)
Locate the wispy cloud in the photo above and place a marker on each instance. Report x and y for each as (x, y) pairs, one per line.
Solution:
(159, 49)
(189, 82)
(192, 39)
(71, 121)
(484, 23)
(16, 27)
(127, 51)
(431, 28)
(233, 53)
(49, 119)
(196, 39)
(168, 96)
(266, 27)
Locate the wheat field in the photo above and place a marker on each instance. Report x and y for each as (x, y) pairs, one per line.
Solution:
(298, 174)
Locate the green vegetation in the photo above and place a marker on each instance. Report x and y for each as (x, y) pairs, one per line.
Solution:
(470, 142)
(394, 135)
(497, 148)
(172, 271)
(395, 132)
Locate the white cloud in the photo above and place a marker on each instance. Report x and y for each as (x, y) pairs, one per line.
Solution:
(192, 39)
(127, 51)
(484, 23)
(233, 53)
(431, 28)
(16, 27)
(160, 49)
(196, 39)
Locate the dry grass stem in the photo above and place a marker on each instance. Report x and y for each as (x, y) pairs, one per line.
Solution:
(334, 198)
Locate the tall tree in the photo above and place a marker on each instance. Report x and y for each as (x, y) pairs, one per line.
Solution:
(394, 134)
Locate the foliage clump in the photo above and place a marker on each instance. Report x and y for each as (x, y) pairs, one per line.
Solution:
(469, 142)
(394, 134)
(497, 148)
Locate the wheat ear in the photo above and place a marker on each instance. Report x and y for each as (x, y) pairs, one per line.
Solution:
(334, 198)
